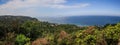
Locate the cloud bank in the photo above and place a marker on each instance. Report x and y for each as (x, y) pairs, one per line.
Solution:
(27, 7)
(41, 3)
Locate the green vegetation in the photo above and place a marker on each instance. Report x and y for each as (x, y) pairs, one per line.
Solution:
(21, 39)
(33, 32)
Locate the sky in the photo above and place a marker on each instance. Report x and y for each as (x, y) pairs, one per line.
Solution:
(60, 7)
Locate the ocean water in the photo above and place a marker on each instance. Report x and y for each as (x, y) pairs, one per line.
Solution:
(83, 20)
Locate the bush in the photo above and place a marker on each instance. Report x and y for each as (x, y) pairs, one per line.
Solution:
(21, 39)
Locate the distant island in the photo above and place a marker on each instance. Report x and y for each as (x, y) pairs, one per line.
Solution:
(23, 30)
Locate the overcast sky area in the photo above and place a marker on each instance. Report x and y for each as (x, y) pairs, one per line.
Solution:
(60, 7)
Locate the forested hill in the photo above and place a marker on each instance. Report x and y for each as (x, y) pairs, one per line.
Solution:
(9, 18)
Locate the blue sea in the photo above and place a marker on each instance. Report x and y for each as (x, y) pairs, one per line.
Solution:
(82, 20)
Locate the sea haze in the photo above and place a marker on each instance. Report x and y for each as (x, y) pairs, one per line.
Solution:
(83, 20)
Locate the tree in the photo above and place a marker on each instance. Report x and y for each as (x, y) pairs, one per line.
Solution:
(112, 34)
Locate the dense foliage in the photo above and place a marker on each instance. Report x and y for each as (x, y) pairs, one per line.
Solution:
(34, 32)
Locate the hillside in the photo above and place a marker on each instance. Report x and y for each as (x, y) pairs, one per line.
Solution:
(9, 18)
(22, 30)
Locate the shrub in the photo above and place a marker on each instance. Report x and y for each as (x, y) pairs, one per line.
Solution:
(21, 39)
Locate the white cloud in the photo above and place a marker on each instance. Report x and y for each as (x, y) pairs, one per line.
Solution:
(16, 7)
(68, 6)
(14, 4)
